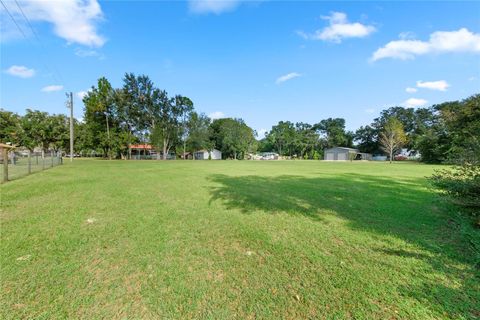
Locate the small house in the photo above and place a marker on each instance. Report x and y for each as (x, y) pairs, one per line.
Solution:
(141, 151)
(343, 153)
(205, 155)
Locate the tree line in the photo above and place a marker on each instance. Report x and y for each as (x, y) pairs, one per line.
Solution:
(139, 112)
(136, 113)
(441, 133)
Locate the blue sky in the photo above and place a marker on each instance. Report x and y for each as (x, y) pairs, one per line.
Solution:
(263, 61)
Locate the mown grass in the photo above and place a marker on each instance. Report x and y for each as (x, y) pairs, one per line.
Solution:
(235, 239)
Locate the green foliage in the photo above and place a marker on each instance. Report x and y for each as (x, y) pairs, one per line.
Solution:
(115, 118)
(367, 139)
(433, 145)
(10, 128)
(198, 136)
(137, 112)
(299, 140)
(233, 137)
(39, 129)
(282, 137)
(462, 185)
(333, 134)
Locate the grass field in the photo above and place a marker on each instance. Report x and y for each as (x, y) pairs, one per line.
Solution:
(234, 239)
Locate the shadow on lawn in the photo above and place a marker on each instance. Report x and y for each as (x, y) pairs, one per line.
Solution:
(403, 208)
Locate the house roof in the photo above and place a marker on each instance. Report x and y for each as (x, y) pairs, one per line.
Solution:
(203, 150)
(140, 146)
(343, 148)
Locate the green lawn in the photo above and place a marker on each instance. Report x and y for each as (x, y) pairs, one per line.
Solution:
(234, 239)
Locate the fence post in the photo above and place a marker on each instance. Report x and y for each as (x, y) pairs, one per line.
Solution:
(51, 156)
(43, 159)
(5, 165)
(29, 162)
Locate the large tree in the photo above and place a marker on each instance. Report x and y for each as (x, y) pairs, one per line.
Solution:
(366, 138)
(10, 129)
(233, 137)
(101, 115)
(35, 130)
(392, 137)
(185, 111)
(165, 134)
(198, 136)
(282, 136)
(332, 133)
(462, 124)
(305, 141)
(59, 132)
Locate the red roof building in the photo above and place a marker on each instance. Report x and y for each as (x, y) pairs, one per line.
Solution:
(141, 146)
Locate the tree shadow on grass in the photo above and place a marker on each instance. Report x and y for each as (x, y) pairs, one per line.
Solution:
(402, 208)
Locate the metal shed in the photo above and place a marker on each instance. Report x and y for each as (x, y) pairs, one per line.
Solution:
(343, 153)
(205, 154)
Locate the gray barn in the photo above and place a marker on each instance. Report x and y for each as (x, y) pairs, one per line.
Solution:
(342, 153)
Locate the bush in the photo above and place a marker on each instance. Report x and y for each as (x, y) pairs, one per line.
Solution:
(462, 185)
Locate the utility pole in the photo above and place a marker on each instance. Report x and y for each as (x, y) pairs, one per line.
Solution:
(70, 105)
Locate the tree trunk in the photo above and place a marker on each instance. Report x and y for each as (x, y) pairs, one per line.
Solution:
(165, 149)
(391, 154)
(108, 137)
(184, 147)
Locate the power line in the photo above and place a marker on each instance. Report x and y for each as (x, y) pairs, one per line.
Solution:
(37, 37)
(56, 72)
(13, 19)
(28, 21)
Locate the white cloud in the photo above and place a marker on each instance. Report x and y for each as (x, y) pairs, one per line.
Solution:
(212, 6)
(216, 115)
(81, 94)
(73, 20)
(370, 110)
(407, 35)
(52, 88)
(440, 85)
(87, 53)
(461, 40)
(20, 71)
(472, 78)
(339, 29)
(287, 77)
(415, 102)
(411, 90)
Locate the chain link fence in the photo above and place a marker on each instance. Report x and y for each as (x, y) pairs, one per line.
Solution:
(22, 163)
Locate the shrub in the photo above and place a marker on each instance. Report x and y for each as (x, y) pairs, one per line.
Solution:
(462, 185)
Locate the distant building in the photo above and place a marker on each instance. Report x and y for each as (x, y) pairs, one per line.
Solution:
(147, 152)
(342, 153)
(205, 155)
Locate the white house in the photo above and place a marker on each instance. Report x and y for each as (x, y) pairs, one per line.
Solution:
(205, 155)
